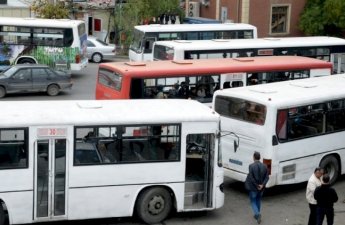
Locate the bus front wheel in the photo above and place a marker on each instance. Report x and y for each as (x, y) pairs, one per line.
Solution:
(330, 165)
(26, 61)
(2, 215)
(154, 205)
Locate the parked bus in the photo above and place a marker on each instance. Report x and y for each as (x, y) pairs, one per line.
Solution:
(330, 49)
(58, 43)
(99, 159)
(146, 35)
(295, 125)
(198, 79)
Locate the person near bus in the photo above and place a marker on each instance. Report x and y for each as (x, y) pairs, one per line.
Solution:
(255, 183)
(325, 196)
(313, 182)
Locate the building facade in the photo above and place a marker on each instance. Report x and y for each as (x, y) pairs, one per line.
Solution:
(273, 18)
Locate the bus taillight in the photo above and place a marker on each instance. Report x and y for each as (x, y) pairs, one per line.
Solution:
(268, 163)
(77, 58)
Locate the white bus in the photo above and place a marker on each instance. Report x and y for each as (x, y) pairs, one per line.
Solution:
(58, 43)
(72, 160)
(146, 35)
(295, 125)
(330, 49)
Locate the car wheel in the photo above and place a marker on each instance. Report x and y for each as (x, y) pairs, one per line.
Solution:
(97, 57)
(53, 90)
(2, 92)
(331, 167)
(154, 205)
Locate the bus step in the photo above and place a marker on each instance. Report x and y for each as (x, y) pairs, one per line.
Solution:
(194, 186)
(192, 198)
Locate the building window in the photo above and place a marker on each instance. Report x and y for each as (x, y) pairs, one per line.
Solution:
(280, 19)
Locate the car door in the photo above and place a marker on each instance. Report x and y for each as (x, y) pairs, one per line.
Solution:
(40, 79)
(21, 81)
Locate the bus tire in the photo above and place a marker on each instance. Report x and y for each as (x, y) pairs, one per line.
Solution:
(26, 61)
(97, 57)
(154, 205)
(2, 215)
(2, 92)
(330, 165)
(53, 90)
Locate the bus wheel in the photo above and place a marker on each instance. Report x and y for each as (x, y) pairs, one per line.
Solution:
(53, 90)
(2, 215)
(97, 57)
(2, 92)
(331, 167)
(26, 61)
(154, 205)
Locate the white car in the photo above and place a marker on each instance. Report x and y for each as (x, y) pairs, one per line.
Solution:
(98, 50)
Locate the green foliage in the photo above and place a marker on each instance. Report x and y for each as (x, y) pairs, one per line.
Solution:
(135, 12)
(48, 10)
(323, 17)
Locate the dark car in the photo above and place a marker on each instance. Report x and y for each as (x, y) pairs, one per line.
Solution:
(24, 78)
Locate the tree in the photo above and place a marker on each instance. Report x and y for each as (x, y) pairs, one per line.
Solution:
(135, 12)
(47, 9)
(323, 17)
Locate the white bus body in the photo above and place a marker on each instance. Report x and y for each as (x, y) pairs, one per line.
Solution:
(302, 127)
(53, 168)
(146, 35)
(330, 49)
(58, 43)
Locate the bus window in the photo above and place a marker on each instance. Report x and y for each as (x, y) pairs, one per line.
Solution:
(13, 149)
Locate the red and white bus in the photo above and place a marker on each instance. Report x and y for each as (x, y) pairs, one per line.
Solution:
(198, 79)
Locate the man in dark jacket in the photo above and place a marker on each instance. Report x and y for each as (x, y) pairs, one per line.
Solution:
(325, 197)
(255, 183)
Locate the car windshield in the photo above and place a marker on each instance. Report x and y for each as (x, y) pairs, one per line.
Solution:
(102, 42)
(9, 71)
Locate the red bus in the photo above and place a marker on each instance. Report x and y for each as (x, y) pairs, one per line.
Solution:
(198, 79)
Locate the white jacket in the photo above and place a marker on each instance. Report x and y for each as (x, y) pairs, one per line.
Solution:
(313, 183)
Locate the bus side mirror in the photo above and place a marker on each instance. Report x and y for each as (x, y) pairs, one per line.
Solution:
(235, 145)
(274, 140)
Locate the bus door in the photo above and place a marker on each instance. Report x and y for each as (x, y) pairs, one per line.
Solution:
(147, 48)
(199, 172)
(50, 178)
(338, 60)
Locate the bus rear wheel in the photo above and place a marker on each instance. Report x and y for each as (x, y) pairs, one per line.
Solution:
(330, 165)
(154, 205)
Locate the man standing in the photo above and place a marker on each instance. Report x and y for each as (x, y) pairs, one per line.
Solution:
(255, 183)
(313, 182)
(325, 197)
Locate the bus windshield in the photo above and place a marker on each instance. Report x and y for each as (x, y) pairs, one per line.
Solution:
(137, 41)
(240, 109)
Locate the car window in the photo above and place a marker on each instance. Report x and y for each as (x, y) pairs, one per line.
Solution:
(90, 44)
(11, 70)
(22, 74)
(50, 73)
(39, 73)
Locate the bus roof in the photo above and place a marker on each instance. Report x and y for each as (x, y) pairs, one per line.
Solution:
(223, 65)
(291, 93)
(252, 43)
(193, 27)
(38, 22)
(87, 112)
